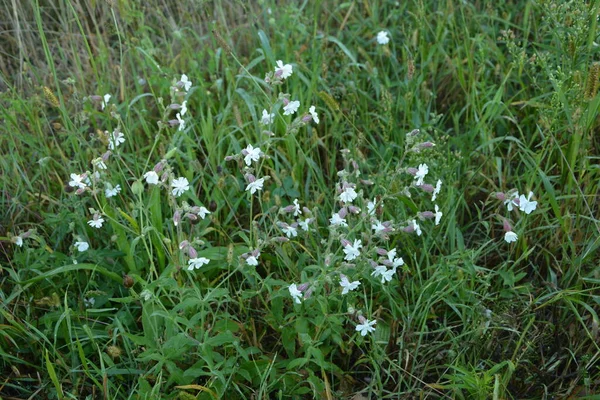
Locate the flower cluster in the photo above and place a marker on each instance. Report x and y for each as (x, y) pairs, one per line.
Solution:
(514, 201)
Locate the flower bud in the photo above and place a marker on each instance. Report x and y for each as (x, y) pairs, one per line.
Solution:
(426, 215)
(177, 217)
(381, 252)
(343, 212)
(411, 170)
(346, 242)
(303, 286)
(426, 145)
(426, 187)
(127, 281)
(354, 209)
(506, 226)
(192, 252)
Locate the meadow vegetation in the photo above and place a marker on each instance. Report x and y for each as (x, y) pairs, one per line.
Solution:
(281, 200)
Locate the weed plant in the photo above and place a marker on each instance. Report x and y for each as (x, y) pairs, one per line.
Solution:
(323, 199)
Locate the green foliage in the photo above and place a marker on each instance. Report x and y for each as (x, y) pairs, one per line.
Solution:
(507, 91)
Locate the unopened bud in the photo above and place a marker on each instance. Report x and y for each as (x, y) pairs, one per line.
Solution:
(303, 286)
(177, 217)
(354, 209)
(343, 212)
(345, 242)
(426, 215)
(412, 171)
(381, 252)
(192, 252)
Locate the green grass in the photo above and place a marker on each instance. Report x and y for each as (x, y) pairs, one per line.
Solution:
(506, 90)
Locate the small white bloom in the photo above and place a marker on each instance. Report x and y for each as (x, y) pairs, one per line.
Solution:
(388, 275)
(256, 185)
(291, 108)
(438, 215)
(105, 100)
(379, 271)
(436, 191)
(77, 181)
(416, 227)
(382, 38)
(253, 154)
(512, 201)
(183, 108)
(396, 261)
(146, 294)
(285, 71)
(115, 139)
(337, 220)
(352, 251)
(82, 246)
(348, 195)
(253, 260)
(377, 227)
(179, 186)
(348, 286)
(525, 203)
(89, 302)
(111, 191)
(18, 240)
(151, 178)
(304, 224)
(295, 293)
(289, 231)
(296, 208)
(371, 207)
(181, 122)
(203, 212)
(99, 163)
(420, 175)
(187, 84)
(196, 263)
(96, 222)
(366, 327)
(267, 118)
(314, 114)
(510, 237)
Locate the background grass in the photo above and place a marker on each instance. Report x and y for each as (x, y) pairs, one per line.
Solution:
(508, 92)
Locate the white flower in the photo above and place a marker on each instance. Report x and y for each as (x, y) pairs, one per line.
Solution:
(115, 139)
(18, 241)
(291, 108)
(82, 246)
(253, 154)
(379, 271)
(382, 37)
(438, 215)
(525, 203)
(371, 207)
(388, 275)
(105, 100)
(99, 163)
(203, 212)
(337, 220)
(420, 175)
(289, 230)
(295, 293)
(512, 201)
(96, 222)
(348, 195)
(416, 227)
(366, 327)
(253, 259)
(285, 71)
(352, 251)
(88, 302)
(181, 122)
(111, 191)
(151, 178)
(396, 261)
(304, 224)
(267, 118)
(296, 208)
(436, 191)
(77, 181)
(314, 114)
(196, 263)
(187, 84)
(183, 108)
(256, 185)
(179, 186)
(377, 227)
(510, 236)
(146, 294)
(347, 285)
